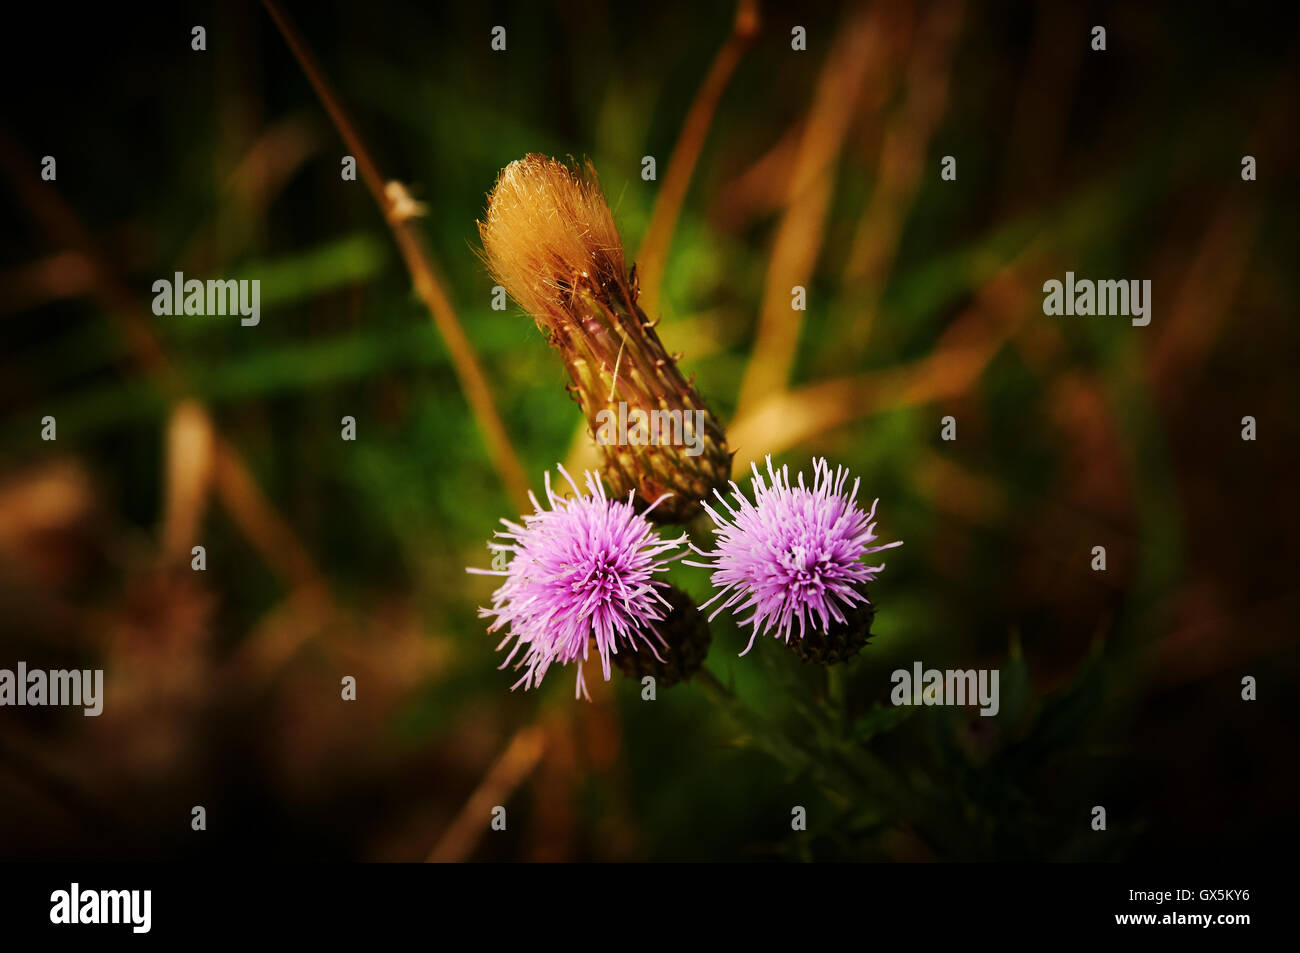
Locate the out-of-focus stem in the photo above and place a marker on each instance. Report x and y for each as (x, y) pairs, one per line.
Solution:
(837, 697)
(653, 253)
(514, 765)
(902, 158)
(800, 235)
(264, 527)
(714, 688)
(788, 418)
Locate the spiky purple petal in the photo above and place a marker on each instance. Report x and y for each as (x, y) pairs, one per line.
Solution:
(794, 554)
(581, 571)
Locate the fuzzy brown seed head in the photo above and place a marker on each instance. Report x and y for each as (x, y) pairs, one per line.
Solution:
(549, 239)
(547, 225)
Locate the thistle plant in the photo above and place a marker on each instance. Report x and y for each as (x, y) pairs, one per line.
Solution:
(550, 240)
(582, 572)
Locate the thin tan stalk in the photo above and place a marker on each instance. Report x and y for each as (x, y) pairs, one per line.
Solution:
(788, 418)
(653, 253)
(399, 211)
(902, 162)
(511, 768)
(800, 235)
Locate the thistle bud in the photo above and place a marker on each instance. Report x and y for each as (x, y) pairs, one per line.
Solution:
(680, 649)
(841, 641)
(550, 240)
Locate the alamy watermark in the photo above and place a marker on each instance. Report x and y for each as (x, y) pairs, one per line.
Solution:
(215, 296)
(84, 687)
(1083, 296)
(951, 687)
(75, 906)
(640, 428)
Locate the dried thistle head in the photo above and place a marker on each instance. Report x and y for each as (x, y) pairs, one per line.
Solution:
(547, 223)
(550, 240)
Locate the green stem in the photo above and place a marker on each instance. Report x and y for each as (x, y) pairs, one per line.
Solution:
(837, 695)
(713, 687)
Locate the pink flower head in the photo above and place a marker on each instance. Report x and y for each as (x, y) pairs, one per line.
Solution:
(794, 553)
(582, 570)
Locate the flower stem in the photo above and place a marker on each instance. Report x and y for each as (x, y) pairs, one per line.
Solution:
(836, 695)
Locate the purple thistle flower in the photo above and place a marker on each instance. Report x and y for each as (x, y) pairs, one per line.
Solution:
(795, 553)
(581, 570)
